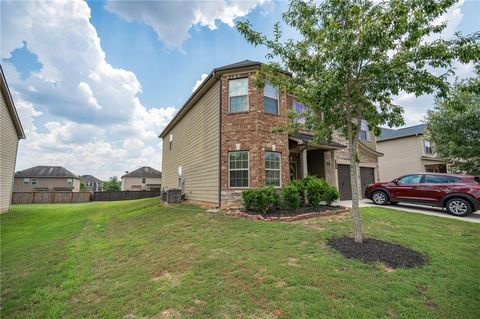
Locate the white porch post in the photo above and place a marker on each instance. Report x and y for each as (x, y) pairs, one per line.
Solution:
(304, 162)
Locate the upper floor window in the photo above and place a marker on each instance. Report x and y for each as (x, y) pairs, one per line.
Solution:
(170, 141)
(238, 95)
(143, 180)
(299, 108)
(69, 181)
(238, 168)
(270, 99)
(364, 132)
(26, 181)
(427, 147)
(34, 181)
(272, 169)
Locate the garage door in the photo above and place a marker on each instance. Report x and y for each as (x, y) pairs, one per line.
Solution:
(367, 176)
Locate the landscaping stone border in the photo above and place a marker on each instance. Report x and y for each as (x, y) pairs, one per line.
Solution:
(325, 212)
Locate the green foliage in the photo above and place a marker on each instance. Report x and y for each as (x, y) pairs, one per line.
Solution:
(112, 185)
(260, 199)
(291, 196)
(300, 185)
(318, 190)
(83, 188)
(454, 126)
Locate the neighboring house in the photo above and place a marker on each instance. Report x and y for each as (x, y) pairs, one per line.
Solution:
(142, 179)
(11, 132)
(407, 151)
(92, 183)
(221, 142)
(46, 179)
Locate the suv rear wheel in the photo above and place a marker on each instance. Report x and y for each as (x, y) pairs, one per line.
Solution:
(458, 207)
(380, 198)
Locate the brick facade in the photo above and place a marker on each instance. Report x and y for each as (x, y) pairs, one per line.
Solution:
(252, 131)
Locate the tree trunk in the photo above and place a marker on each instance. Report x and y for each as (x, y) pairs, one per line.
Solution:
(354, 177)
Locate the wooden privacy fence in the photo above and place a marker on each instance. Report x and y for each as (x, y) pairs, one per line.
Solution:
(50, 197)
(124, 195)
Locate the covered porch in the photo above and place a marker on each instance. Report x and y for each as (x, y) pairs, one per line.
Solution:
(434, 165)
(311, 159)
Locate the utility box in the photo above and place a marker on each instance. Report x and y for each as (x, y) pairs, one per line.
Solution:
(174, 195)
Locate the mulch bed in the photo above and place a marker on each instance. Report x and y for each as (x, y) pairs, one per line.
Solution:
(371, 250)
(289, 215)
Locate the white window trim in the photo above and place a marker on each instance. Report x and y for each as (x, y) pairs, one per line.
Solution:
(274, 169)
(27, 180)
(296, 120)
(239, 169)
(32, 181)
(68, 181)
(272, 97)
(228, 92)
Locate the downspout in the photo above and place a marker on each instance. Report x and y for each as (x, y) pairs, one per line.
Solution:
(219, 142)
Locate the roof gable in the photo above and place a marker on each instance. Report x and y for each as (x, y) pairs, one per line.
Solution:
(10, 105)
(144, 171)
(46, 171)
(390, 134)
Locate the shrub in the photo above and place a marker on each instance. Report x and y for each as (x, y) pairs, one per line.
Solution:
(291, 196)
(261, 199)
(300, 185)
(318, 190)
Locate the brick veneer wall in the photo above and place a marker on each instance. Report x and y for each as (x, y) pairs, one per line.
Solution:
(252, 130)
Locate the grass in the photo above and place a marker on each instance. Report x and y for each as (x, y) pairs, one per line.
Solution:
(136, 259)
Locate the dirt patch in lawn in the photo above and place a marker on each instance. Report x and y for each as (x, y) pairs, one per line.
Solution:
(371, 250)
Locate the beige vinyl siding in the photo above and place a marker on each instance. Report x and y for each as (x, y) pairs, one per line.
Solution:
(195, 147)
(401, 156)
(8, 155)
(49, 183)
(128, 183)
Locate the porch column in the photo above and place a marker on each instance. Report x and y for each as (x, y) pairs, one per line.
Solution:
(304, 162)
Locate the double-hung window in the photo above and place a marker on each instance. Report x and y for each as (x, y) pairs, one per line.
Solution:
(238, 95)
(270, 99)
(364, 132)
(69, 181)
(272, 169)
(427, 146)
(144, 180)
(300, 110)
(26, 181)
(238, 168)
(34, 181)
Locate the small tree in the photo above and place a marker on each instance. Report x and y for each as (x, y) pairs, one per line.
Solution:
(83, 188)
(112, 185)
(454, 126)
(352, 57)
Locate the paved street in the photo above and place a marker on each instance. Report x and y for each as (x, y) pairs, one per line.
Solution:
(426, 210)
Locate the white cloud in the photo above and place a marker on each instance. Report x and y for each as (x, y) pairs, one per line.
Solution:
(197, 84)
(91, 119)
(172, 20)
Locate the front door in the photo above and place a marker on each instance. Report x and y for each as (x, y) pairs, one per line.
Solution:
(293, 171)
(367, 176)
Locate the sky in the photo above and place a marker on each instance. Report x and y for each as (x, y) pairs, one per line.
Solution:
(95, 82)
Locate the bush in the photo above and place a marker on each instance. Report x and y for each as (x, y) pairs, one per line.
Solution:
(300, 185)
(318, 190)
(262, 199)
(291, 196)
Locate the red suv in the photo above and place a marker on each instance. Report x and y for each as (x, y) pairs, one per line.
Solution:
(459, 194)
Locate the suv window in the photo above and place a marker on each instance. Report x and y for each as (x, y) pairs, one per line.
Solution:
(410, 179)
(439, 179)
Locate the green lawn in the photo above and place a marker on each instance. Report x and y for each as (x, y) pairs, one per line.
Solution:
(136, 259)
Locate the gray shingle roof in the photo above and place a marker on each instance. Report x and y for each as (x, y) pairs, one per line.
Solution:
(90, 178)
(390, 134)
(241, 64)
(144, 171)
(46, 171)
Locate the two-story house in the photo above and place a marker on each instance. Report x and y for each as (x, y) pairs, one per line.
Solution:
(221, 142)
(11, 132)
(143, 179)
(92, 183)
(407, 151)
(46, 179)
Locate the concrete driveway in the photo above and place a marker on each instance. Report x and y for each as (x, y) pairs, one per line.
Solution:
(426, 210)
